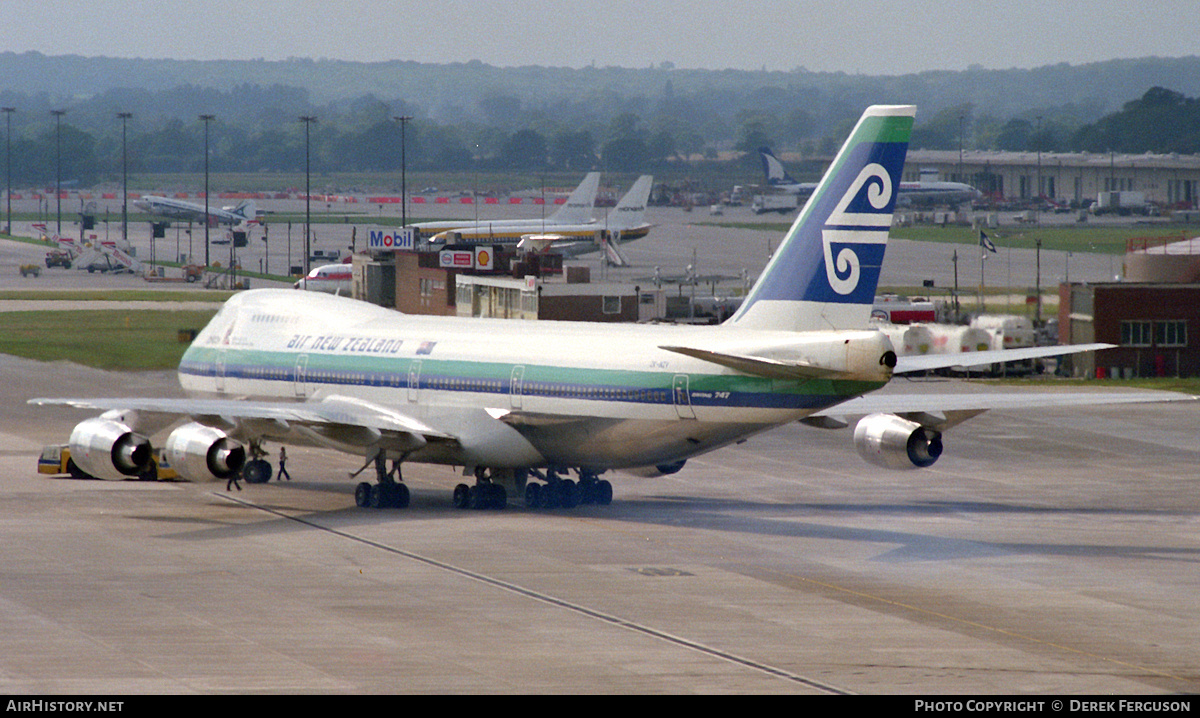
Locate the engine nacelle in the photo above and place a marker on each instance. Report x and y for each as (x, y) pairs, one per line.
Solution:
(892, 442)
(651, 472)
(202, 453)
(109, 449)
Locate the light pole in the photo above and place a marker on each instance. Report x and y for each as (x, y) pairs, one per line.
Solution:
(124, 116)
(206, 119)
(58, 114)
(1037, 321)
(961, 131)
(1038, 139)
(308, 120)
(403, 120)
(8, 165)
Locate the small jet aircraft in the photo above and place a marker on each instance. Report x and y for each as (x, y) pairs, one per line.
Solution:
(923, 192)
(522, 405)
(245, 211)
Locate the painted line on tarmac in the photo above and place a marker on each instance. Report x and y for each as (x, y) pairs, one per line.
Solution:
(561, 603)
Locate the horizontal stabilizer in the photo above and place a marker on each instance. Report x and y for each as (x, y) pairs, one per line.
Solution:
(758, 366)
(965, 360)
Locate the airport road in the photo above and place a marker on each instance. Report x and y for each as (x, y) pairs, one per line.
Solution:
(1047, 552)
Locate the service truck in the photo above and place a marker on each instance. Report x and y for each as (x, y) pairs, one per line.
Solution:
(781, 203)
(1123, 203)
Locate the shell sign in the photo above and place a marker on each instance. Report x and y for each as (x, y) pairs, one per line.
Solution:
(484, 258)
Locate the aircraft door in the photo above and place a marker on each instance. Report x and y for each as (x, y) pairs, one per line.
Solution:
(517, 385)
(683, 398)
(300, 379)
(219, 371)
(414, 380)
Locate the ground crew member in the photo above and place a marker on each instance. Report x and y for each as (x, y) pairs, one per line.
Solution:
(283, 464)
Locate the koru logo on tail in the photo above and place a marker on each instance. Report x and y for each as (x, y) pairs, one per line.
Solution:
(846, 229)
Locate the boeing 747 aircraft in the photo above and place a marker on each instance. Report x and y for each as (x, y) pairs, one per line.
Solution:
(525, 405)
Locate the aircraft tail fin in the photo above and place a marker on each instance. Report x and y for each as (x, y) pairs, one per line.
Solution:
(631, 210)
(773, 168)
(247, 210)
(578, 207)
(826, 270)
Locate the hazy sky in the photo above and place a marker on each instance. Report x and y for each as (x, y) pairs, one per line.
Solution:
(873, 37)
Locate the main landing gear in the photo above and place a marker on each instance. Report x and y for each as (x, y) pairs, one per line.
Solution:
(487, 493)
(387, 493)
(550, 491)
(559, 492)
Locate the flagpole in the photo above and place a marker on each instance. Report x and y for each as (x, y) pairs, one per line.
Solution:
(985, 246)
(982, 276)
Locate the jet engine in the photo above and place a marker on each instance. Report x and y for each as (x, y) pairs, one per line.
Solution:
(893, 442)
(202, 453)
(651, 472)
(109, 449)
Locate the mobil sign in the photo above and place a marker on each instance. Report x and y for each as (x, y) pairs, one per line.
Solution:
(391, 240)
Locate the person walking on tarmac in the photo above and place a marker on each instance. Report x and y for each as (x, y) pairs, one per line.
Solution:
(233, 481)
(283, 472)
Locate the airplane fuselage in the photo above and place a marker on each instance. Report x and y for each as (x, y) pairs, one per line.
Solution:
(488, 233)
(566, 393)
(178, 209)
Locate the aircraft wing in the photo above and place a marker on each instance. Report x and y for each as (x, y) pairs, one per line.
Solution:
(927, 362)
(333, 420)
(943, 410)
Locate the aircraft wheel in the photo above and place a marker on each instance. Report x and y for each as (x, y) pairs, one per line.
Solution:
(257, 471)
(76, 472)
(400, 496)
(603, 493)
(497, 497)
(568, 494)
(362, 495)
(462, 496)
(533, 495)
(551, 495)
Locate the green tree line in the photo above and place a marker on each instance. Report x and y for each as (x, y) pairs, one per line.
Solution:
(258, 130)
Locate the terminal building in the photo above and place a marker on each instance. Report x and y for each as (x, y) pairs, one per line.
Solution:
(1074, 178)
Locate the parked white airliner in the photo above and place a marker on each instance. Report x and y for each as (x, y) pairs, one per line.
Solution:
(512, 401)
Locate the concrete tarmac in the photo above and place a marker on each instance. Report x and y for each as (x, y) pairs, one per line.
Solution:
(1047, 552)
